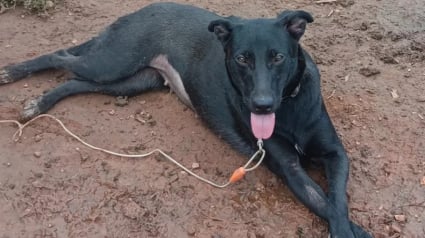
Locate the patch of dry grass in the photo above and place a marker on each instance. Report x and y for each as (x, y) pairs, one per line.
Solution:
(36, 6)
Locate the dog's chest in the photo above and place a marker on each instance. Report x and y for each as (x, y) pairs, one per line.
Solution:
(172, 78)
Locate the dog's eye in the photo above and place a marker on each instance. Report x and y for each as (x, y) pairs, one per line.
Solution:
(278, 58)
(241, 59)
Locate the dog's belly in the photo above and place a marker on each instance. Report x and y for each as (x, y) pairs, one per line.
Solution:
(172, 78)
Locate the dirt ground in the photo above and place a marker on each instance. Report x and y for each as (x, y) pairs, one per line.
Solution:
(371, 56)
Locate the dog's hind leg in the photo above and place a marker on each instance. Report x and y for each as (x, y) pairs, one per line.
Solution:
(61, 59)
(144, 80)
(57, 60)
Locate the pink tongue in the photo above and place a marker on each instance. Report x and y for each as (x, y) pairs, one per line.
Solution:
(262, 125)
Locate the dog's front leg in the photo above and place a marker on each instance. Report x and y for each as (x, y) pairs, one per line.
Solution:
(335, 160)
(283, 160)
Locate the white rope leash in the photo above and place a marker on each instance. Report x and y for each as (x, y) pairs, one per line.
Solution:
(237, 175)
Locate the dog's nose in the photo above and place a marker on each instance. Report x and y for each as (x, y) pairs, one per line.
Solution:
(262, 104)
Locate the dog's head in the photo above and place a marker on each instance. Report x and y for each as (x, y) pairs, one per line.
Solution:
(264, 61)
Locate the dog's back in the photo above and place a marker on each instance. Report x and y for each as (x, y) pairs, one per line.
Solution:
(130, 43)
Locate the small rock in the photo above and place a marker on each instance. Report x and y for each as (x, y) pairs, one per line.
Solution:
(84, 157)
(111, 112)
(396, 228)
(49, 4)
(367, 71)
(346, 78)
(121, 101)
(364, 26)
(145, 118)
(37, 154)
(260, 187)
(387, 228)
(38, 175)
(388, 59)
(376, 34)
(395, 36)
(38, 138)
(423, 181)
(191, 230)
(417, 46)
(195, 165)
(346, 3)
(400, 218)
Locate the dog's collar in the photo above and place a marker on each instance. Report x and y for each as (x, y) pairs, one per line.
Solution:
(296, 91)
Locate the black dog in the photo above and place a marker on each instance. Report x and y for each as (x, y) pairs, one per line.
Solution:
(262, 85)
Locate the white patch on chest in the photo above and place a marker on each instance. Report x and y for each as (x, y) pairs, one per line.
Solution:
(172, 78)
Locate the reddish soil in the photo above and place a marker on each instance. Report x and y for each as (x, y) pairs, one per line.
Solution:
(371, 56)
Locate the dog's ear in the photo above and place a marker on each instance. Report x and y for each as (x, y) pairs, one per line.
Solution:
(295, 22)
(222, 29)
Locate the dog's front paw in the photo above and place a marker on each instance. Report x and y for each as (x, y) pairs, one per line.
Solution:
(341, 230)
(358, 231)
(31, 109)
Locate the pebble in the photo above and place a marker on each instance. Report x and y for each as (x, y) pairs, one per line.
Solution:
(400, 218)
(191, 230)
(195, 165)
(84, 156)
(38, 175)
(121, 101)
(50, 4)
(396, 228)
(37, 154)
(38, 138)
(388, 59)
(369, 71)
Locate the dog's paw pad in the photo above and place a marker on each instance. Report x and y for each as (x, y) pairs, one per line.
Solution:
(5, 77)
(31, 109)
